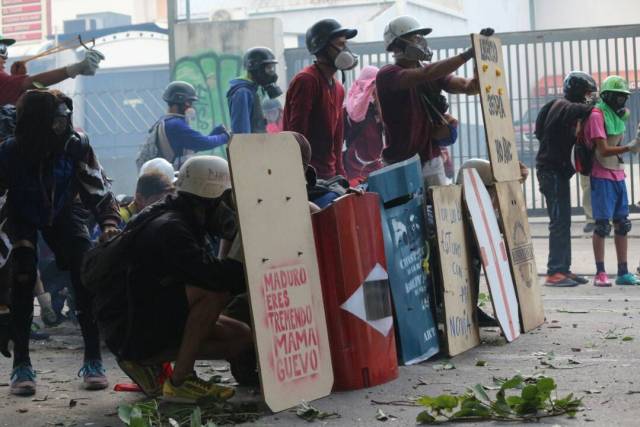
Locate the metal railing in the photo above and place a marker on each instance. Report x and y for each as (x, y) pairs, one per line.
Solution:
(535, 63)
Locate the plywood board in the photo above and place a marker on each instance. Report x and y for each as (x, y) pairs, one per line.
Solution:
(282, 269)
(496, 109)
(493, 251)
(515, 223)
(460, 323)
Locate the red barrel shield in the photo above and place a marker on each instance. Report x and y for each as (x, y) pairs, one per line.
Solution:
(355, 287)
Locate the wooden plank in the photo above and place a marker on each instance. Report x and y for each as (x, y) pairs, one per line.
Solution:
(495, 261)
(515, 224)
(496, 109)
(461, 323)
(282, 269)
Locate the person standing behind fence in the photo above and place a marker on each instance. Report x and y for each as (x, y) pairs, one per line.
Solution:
(171, 137)
(363, 128)
(556, 130)
(315, 97)
(410, 96)
(245, 103)
(604, 129)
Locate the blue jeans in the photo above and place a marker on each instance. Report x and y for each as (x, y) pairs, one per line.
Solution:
(554, 186)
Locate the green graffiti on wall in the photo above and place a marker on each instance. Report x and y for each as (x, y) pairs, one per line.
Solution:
(210, 73)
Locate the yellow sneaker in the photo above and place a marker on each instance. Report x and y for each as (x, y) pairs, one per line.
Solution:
(146, 377)
(194, 389)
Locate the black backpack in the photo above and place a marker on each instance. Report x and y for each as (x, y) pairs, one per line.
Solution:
(582, 153)
(105, 273)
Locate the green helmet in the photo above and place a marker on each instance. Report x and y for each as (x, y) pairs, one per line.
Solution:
(615, 84)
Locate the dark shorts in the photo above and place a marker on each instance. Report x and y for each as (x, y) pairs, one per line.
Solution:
(157, 324)
(609, 199)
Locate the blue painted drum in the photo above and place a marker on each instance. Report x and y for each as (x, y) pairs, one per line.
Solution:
(400, 187)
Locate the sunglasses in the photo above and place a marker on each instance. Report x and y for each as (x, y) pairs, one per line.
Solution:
(4, 51)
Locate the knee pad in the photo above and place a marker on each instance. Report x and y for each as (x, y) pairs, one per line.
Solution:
(622, 227)
(602, 228)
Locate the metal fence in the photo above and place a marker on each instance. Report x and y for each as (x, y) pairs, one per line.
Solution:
(535, 64)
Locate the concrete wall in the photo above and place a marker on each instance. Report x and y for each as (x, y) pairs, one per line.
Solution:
(232, 37)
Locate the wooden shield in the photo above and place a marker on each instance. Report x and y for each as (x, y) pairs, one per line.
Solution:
(496, 109)
(460, 323)
(282, 269)
(515, 223)
(493, 251)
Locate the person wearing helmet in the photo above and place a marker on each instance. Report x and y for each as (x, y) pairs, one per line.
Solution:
(176, 140)
(245, 103)
(52, 178)
(273, 114)
(604, 130)
(410, 96)
(170, 260)
(18, 82)
(315, 97)
(555, 128)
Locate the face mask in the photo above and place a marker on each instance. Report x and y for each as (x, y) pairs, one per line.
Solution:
(62, 121)
(416, 51)
(345, 59)
(272, 90)
(591, 99)
(617, 102)
(190, 114)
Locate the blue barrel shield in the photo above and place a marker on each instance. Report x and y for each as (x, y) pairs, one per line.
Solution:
(400, 187)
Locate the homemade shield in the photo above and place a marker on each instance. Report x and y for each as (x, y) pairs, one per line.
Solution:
(404, 230)
(282, 269)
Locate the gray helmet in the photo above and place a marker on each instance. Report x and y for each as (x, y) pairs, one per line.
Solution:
(179, 92)
(402, 26)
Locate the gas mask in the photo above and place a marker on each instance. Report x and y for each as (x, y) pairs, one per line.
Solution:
(61, 125)
(617, 102)
(345, 60)
(267, 78)
(415, 51)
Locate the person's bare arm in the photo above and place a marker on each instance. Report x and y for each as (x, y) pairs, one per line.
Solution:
(47, 78)
(608, 151)
(412, 77)
(462, 85)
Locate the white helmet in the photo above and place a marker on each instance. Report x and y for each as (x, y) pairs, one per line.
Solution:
(204, 176)
(402, 26)
(482, 166)
(159, 165)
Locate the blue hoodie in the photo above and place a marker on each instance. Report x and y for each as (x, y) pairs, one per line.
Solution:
(244, 107)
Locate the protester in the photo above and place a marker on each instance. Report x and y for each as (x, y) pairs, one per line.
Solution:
(413, 107)
(273, 114)
(14, 85)
(245, 103)
(556, 130)
(363, 128)
(51, 175)
(150, 188)
(315, 97)
(190, 288)
(604, 129)
(171, 137)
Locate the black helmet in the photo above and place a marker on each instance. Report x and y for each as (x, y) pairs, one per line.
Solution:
(257, 56)
(179, 92)
(577, 84)
(321, 33)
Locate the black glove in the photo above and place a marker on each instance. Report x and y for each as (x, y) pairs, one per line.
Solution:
(487, 32)
(5, 334)
(467, 54)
